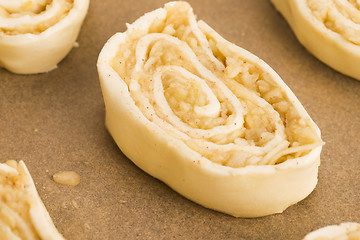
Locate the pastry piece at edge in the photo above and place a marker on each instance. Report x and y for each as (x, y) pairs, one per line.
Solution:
(22, 213)
(208, 118)
(36, 35)
(344, 231)
(329, 29)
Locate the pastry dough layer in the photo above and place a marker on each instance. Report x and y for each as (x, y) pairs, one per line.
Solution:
(208, 118)
(329, 29)
(36, 35)
(22, 213)
(344, 231)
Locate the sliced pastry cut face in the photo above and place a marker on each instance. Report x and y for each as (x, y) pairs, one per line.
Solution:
(36, 35)
(329, 29)
(343, 231)
(339, 16)
(208, 118)
(22, 215)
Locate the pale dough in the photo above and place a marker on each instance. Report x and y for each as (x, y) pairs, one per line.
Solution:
(22, 213)
(343, 231)
(36, 35)
(329, 29)
(207, 117)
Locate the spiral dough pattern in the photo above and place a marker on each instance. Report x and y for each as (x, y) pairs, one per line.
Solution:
(339, 16)
(208, 118)
(35, 35)
(329, 29)
(218, 103)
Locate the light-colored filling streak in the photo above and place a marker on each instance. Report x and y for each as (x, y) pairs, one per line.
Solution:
(15, 221)
(31, 16)
(219, 104)
(340, 16)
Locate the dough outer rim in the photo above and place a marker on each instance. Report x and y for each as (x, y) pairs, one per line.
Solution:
(252, 191)
(328, 46)
(37, 53)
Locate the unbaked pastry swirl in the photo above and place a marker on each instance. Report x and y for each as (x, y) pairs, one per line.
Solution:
(329, 29)
(208, 118)
(22, 213)
(35, 35)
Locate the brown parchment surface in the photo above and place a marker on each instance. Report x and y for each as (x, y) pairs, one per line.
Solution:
(55, 122)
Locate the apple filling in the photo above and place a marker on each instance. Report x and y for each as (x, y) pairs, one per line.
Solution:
(15, 220)
(21, 17)
(340, 16)
(202, 92)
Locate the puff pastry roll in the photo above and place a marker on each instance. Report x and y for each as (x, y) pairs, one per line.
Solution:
(22, 213)
(344, 231)
(208, 118)
(329, 29)
(36, 35)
